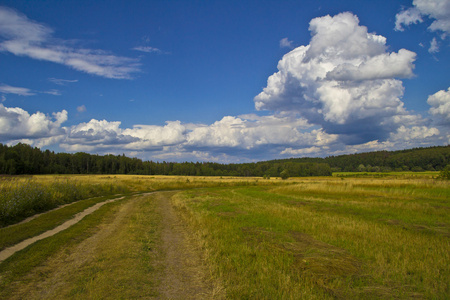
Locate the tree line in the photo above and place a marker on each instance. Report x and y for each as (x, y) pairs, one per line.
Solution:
(24, 159)
(416, 159)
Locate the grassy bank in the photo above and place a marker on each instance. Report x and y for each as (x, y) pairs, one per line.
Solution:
(21, 197)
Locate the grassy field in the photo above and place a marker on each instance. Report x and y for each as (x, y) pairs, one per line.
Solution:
(325, 238)
(350, 236)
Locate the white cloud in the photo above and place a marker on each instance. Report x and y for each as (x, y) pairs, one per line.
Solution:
(407, 17)
(151, 136)
(147, 49)
(95, 135)
(21, 91)
(439, 10)
(440, 105)
(415, 135)
(285, 43)
(344, 81)
(434, 46)
(25, 37)
(251, 131)
(310, 152)
(16, 123)
(59, 81)
(53, 92)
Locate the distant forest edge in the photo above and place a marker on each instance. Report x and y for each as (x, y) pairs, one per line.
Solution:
(24, 159)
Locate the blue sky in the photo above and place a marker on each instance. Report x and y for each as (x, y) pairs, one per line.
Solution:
(226, 81)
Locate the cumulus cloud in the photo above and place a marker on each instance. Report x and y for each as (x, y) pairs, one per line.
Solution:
(251, 131)
(16, 123)
(407, 17)
(438, 10)
(344, 80)
(21, 91)
(102, 134)
(414, 136)
(440, 105)
(24, 37)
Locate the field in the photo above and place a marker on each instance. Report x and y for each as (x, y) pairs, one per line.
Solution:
(350, 236)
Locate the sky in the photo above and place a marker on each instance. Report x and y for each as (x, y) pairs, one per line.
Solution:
(225, 81)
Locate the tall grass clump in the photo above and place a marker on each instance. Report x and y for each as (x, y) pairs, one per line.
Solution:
(21, 198)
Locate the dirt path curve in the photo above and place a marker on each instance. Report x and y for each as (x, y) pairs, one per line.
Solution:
(52, 279)
(185, 274)
(177, 271)
(77, 218)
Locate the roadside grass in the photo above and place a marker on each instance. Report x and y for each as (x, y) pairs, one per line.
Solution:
(21, 197)
(322, 239)
(14, 234)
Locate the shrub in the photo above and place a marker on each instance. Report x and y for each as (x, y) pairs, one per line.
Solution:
(284, 174)
(445, 173)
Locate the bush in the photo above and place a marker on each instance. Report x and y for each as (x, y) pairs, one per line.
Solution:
(445, 173)
(284, 174)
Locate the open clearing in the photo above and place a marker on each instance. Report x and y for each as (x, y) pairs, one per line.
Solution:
(304, 238)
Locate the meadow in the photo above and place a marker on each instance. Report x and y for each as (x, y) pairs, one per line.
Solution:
(350, 236)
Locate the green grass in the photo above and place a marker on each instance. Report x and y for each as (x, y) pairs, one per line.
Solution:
(322, 239)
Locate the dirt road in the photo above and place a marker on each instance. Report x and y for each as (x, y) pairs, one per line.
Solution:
(143, 249)
(185, 276)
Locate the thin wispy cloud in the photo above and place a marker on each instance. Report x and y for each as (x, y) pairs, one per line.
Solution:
(59, 81)
(24, 37)
(53, 92)
(147, 49)
(21, 91)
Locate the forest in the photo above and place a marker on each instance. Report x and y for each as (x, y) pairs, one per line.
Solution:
(24, 159)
